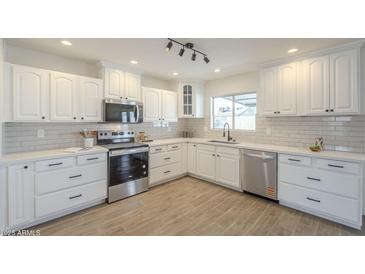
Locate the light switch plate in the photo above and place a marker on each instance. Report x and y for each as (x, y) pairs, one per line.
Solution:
(40, 133)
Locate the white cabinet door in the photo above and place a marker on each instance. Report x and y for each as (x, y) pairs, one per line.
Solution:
(90, 99)
(151, 104)
(114, 83)
(192, 158)
(64, 97)
(227, 170)
(132, 86)
(30, 94)
(21, 193)
(205, 164)
(286, 99)
(169, 105)
(316, 84)
(190, 100)
(344, 82)
(267, 94)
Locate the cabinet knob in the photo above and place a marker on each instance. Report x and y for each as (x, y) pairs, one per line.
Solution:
(213, 154)
(25, 167)
(121, 97)
(82, 118)
(278, 112)
(43, 117)
(332, 110)
(326, 110)
(74, 118)
(126, 98)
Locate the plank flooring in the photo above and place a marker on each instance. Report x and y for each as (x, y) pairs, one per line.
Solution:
(189, 206)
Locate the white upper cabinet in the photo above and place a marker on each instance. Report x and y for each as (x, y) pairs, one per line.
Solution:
(21, 194)
(132, 86)
(286, 98)
(30, 94)
(64, 96)
(344, 92)
(316, 84)
(191, 100)
(159, 105)
(169, 106)
(90, 99)
(151, 104)
(267, 96)
(114, 83)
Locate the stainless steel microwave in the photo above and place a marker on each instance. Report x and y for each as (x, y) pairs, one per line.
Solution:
(126, 112)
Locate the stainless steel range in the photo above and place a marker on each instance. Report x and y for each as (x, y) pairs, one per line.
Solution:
(127, 164)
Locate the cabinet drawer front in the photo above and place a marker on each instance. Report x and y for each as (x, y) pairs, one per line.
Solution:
(206, 147)
(53, 164)
(336, 206)
(91, 158)
(62, 200)
(174, 147)
(295, 159)
(339, 166)
(56, 180)
(157, 149)
(160, 159)
(165, 172)
(340, 184)
(228, 150)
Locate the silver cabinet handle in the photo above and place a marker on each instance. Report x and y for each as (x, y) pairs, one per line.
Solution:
(55, 164)
(313, 200)
(158, 149)
(75, 176)
(74, 197)
(94, 158)
(337, 166)
(175, 147)
(313, 179)
(294, 160)
(167, 171)
(167, 158)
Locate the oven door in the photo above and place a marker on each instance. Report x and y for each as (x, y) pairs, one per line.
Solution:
(127, 165)
(123, 112)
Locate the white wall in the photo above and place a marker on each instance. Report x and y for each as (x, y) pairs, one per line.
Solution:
(153, 82)
(241, 83)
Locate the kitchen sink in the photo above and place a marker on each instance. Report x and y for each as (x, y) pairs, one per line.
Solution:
(223, 142)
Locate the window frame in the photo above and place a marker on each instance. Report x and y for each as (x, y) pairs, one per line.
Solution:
(212, 116)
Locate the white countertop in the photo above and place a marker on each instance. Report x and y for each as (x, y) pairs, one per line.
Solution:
(14, 158)
(336, 155)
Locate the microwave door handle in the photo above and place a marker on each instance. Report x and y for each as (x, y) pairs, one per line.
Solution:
(137, 114)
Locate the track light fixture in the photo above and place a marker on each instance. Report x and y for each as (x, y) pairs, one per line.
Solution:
(182, 50)
(193, 56)
(169, 46)
(188, 46)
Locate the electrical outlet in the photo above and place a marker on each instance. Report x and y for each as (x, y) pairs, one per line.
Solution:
(40, 133)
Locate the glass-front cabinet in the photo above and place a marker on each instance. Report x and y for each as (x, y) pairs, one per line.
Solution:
(191, 100)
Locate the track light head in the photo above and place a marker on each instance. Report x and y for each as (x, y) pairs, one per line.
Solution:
(169, 46)
(193, 56)
(206, 59)
(182, 50)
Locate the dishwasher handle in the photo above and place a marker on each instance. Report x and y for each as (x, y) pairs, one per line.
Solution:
(263, 157)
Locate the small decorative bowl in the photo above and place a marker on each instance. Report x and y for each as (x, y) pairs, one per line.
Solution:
(315, 148)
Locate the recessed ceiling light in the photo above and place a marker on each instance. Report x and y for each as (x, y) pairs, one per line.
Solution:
(175, 73)
(292, 50)
(217, 70)
(66, 43)
(134, 62)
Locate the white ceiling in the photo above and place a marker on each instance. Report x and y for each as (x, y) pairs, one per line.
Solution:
(232, 56)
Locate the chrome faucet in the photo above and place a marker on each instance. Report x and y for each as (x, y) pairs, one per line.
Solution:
(229, 138)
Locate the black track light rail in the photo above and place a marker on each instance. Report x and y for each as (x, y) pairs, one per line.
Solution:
(185, 46)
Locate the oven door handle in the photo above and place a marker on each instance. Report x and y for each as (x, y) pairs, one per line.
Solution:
(120, 152)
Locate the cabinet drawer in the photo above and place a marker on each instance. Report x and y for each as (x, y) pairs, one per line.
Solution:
(228, 150)
(62, 200)
(60, 179)
(340, 184)
(91, 158)
(169, 157)
(53, 164)
(206, 147)
(338, 166)
(174, 147)
(157, 149)
(165, 172)
(295, 159)
(336, 206)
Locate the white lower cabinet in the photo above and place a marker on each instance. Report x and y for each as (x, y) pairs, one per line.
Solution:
(20, 194)
(42, 190)
(167, 162)
(191, 158)
(205, 161)
(327, 188)
(227, 170)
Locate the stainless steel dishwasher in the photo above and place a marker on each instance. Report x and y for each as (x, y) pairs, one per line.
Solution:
(260, 173)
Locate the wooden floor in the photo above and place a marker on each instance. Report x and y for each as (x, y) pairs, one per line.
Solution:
(190, 206)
